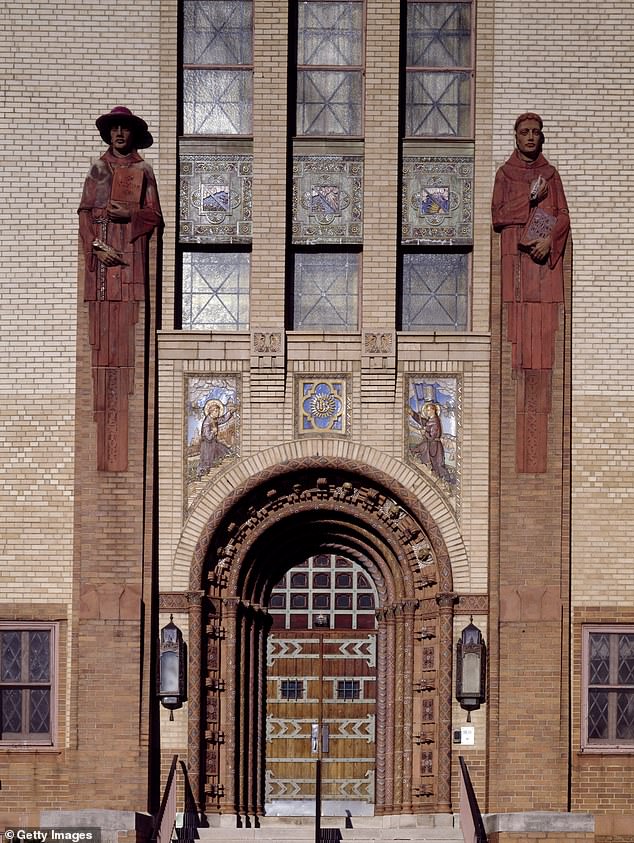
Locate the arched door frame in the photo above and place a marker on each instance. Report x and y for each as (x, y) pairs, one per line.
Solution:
(361, 512)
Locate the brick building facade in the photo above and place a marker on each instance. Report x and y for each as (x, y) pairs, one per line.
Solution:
(318, 410)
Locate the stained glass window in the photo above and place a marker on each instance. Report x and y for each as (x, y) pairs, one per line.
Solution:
(609, 704)
(329, 67)
(217, 67)
(26, 684)
(435, 291)
(215, 291)
(439, 69)
(326, 291)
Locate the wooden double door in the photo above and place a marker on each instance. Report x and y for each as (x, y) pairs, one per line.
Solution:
(321, 673)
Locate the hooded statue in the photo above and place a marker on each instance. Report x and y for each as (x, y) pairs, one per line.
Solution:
(529, 210)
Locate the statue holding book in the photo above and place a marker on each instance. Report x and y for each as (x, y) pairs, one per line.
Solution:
(530, 211)
(119, 210)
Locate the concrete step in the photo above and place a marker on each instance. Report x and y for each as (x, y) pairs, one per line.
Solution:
(430, 828)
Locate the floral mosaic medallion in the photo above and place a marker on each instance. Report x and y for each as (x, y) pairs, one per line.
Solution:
(433, 422)
(323, 406)
(212, 426)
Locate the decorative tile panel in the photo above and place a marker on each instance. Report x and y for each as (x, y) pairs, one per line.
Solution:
(437, 200)
(212, 429)
(327, 199)
(323, 405)
(433, 413)
(215, 198)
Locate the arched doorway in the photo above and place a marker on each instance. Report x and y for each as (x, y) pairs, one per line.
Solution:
(303, 509)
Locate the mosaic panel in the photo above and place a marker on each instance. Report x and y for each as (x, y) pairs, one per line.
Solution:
(434, 406)
(327, 199)
(323, 405)
(215, 198)
(437, 200)
(212, 429)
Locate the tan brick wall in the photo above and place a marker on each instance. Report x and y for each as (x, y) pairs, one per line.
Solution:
(576, 73)
(62, 66)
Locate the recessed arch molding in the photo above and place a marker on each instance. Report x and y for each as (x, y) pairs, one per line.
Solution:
(272, 522)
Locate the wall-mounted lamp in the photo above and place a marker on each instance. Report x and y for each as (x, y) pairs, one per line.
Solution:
(171, 676)
(471, 661)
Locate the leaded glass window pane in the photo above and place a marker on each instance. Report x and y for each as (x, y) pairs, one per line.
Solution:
(599, 659)
(11, 655)
(435, 291)
(438, 35)
(11, 711)
(625, 716)
(326, 291)
(215, 291)
(40, 711)
(330, 34)
(328, 102)
(439, 69)
(217, 32)
(626, 660)
(438, 104)
(217, 102)
(39, 656)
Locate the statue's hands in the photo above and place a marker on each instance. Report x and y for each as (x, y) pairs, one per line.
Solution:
(106, 258)
(539, 190)
(540, 249)
(118, 212)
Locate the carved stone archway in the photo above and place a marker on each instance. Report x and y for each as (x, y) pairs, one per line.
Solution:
(306, 507)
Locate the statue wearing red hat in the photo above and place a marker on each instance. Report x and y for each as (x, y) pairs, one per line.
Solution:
(119, 210)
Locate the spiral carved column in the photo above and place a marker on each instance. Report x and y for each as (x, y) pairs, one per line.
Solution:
(446, 606)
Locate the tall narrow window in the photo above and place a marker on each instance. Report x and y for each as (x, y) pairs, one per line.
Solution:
(217, 67)
(215, 165)
(439, 72)
(329, 67)
(26, 684)
(608, 688)
(438, 163)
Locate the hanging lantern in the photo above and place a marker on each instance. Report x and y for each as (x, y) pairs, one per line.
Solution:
(471, 669)
(171, 674)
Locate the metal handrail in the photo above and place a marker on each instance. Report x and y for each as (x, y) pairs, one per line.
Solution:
(471, 823)
(165, 820)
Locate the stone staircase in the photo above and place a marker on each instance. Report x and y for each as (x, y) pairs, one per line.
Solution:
(428, 828)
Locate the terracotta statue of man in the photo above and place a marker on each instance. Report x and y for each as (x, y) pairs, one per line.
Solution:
(530, 211)
(119, 210)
